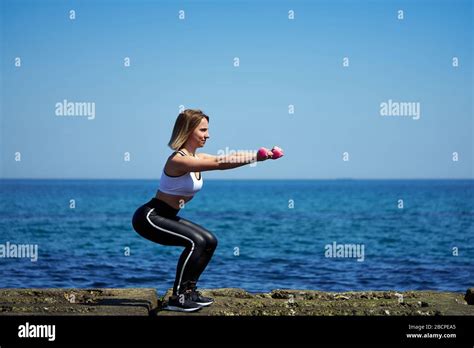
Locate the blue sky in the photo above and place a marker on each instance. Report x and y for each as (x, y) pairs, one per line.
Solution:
(282, 62)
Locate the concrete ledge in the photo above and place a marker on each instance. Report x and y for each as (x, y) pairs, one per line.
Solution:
(77, 301)
(233, 302)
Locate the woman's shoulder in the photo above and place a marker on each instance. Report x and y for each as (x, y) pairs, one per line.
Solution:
(175, 153)
(170, 165)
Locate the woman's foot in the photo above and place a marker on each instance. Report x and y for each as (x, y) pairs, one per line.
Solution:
(182, 303)
(197, 297)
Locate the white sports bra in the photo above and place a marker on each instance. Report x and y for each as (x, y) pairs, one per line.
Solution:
(183, 185)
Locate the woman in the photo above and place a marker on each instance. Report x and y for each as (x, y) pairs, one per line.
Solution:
(181, 179)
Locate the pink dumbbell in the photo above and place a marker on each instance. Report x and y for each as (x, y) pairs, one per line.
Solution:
(262, 152)
(277, 152)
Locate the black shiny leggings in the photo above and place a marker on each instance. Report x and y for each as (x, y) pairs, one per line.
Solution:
(159, 222)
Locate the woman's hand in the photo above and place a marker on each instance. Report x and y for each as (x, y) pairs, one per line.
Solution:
(263, 154)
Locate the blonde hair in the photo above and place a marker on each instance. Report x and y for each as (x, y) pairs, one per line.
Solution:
(185, 124)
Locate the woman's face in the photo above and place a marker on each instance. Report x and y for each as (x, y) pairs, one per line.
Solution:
(201, 133)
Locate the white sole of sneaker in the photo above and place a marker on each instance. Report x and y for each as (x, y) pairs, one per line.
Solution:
(205, 304)
(180, 309)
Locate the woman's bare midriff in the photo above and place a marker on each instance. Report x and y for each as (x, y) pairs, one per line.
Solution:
(176, 202)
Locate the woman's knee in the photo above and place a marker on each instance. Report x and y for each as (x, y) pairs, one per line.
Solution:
(211, 240)
(206, 239)
(199, 242)
(209, 237)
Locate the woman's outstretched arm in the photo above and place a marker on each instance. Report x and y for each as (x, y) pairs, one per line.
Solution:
(209, 162)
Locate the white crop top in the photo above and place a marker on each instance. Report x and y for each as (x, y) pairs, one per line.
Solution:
(184, 185)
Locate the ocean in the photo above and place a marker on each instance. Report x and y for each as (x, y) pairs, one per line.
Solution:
(328, 235)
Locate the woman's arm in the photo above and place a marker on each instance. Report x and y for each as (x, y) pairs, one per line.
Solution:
(205, 155)
(208, 162)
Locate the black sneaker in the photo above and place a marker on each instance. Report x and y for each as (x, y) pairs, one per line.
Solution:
(197, 297)
(182, 303)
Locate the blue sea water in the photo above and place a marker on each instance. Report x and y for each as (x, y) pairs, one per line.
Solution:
(278, 246)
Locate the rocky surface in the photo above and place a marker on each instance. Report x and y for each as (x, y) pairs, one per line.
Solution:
(235, 302)
(77, 301)
(307, 302)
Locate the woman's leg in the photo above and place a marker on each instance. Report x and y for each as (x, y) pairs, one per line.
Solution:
(168, 231)
(211, 245)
